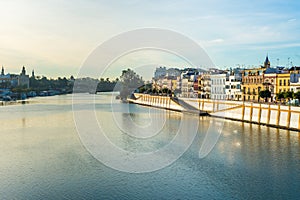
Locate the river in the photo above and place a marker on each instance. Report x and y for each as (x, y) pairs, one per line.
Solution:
(43, 157)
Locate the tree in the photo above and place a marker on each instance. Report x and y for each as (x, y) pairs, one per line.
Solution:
(265, 94)
(288, 94)
(130, 81)
(297, 95)
(280, 96)
(105, 85)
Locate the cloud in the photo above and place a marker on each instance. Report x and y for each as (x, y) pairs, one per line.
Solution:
(274, 46)
(292, 20)
(63, 33)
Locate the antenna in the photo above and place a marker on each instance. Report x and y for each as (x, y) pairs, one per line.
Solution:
(294, 72)
(277, 61)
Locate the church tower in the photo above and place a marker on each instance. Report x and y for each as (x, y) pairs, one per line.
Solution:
(267, 62)
(2, 71)
(23, 71)
(23, 79)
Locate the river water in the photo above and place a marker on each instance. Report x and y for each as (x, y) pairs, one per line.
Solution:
(42, 156)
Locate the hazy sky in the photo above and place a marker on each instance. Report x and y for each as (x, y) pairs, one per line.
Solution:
(55, 37)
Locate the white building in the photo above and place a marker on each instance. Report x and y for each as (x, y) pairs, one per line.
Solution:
(187, 84)
(233, 87)
(218, 82)
(295, 86)
(187, 88)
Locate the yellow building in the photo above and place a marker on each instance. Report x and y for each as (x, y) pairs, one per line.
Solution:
(252, 83)
(175, 84)
(282, 82)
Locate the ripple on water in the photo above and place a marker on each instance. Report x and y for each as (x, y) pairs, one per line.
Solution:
(42, 157)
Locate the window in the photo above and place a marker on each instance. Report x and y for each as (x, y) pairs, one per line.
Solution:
(284, 82)
(280, 82)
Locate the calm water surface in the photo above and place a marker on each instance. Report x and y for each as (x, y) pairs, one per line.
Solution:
(41, 157)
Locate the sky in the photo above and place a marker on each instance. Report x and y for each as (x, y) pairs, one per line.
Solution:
(55, 37)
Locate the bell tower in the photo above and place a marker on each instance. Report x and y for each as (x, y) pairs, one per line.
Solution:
(267, 62)
(23, 71)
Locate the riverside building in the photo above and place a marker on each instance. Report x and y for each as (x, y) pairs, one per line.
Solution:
(252, 82)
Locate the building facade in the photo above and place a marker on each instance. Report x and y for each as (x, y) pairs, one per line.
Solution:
(282, 82)
(253, 82)
(204, 86)
(294, 79)
(8, 80)
(218, 82)
(160, 72)
(233, 88)
(23, 79)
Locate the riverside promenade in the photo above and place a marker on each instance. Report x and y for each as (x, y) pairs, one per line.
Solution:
(279, 116)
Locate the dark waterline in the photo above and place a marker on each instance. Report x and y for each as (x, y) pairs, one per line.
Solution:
(42, 157)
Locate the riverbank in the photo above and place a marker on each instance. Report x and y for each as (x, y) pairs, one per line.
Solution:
(279, 116)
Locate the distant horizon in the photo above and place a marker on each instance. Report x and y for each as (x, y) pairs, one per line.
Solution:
(36, 72)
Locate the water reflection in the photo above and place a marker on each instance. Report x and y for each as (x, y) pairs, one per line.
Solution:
(42, 157)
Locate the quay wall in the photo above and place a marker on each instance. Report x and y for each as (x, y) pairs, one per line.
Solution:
(280, 116)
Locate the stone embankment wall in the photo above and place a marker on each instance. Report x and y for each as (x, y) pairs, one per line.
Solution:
(272, 115)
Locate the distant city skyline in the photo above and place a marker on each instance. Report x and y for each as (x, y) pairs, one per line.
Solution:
(55, 37)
